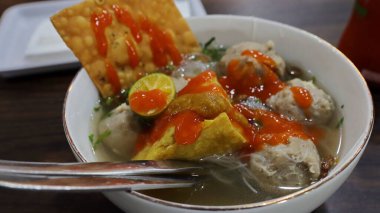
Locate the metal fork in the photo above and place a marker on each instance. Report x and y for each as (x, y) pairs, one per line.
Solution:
(98, 176)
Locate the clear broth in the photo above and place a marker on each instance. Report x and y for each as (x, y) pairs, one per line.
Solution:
(231, 189)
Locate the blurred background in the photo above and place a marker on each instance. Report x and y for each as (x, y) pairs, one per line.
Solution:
(31, 123)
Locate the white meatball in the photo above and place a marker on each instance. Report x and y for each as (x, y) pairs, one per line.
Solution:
(235, 51)
(123, 129)
(295, 164)
(320, 111)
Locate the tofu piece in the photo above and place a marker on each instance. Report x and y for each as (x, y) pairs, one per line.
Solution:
(218, 136)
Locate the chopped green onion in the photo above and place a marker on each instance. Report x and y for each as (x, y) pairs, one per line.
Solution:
(100, 138)
(314, 80)
(91, 138)
(209, 42)
(170, 67)
(108, 114)
(109, 101)
(340, 123)
(215, 53)
(96, 109)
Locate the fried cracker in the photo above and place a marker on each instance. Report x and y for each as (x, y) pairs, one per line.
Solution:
(74, 26)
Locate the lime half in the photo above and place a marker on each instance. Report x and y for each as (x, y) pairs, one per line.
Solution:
(151, 94)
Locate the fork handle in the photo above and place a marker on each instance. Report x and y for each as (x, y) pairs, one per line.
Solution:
(98, 168)
(88, 183)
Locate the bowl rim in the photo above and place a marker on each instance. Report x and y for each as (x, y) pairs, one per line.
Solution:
(282, 199)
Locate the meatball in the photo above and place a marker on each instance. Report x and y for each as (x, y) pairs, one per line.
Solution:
(124, 131)
(320, 111)
(295, 164)
(235, 51)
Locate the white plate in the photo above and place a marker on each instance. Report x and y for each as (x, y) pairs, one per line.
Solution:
(29, 44)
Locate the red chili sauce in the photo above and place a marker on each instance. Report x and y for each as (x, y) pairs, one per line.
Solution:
(274, 129)
(271, 128)
(161, 43)
(99, 23)
(302, 97)
(113, 78)
(145, 101)
(243, 79)
(203, 83)
(124, 17)
(134, 59)
(188, 124)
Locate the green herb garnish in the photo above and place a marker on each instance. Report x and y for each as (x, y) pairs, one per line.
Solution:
(96, 109)
(340, 123)
(209, 42)
(314, 80)
(214, 52)
(91, 138)
(170, 67)
(124, 93)
(111, 102)
(100, 138)
(108, 114)
(360, 9)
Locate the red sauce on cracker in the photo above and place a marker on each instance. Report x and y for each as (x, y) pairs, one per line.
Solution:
(161, 44)
(124, 17)
(99, 23)
(134, 59)
(113, 78)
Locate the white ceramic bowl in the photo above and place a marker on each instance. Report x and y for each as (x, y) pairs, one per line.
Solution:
(330, 67)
